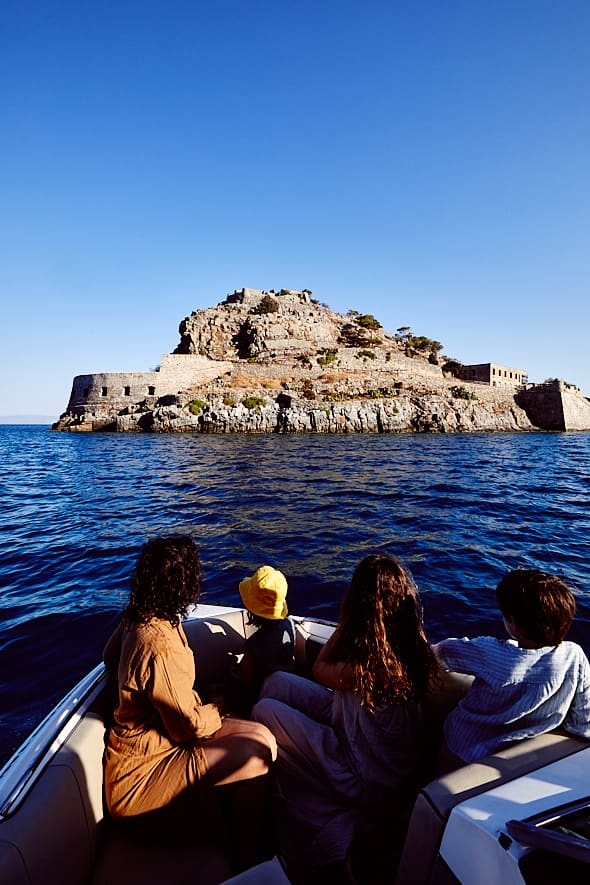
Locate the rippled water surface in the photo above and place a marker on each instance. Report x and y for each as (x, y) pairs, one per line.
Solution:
(459, 510)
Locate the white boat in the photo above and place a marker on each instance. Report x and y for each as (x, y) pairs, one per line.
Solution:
(519, 816)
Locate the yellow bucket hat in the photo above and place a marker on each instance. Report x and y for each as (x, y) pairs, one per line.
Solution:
(264, 593)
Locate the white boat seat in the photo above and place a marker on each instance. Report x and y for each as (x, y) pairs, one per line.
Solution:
(419, 863)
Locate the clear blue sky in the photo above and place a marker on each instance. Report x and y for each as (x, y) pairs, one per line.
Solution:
(426, 162)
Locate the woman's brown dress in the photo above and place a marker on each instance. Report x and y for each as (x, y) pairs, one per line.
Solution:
(154, 753)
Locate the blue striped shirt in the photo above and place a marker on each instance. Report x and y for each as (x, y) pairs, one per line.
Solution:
(517, 693)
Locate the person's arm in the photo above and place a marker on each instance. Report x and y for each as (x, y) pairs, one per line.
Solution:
(460, 655)
(332, 674)
(112, 650)
(577, 720)
(171, 692)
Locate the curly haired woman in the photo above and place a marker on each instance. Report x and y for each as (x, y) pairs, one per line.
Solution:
(167, 753)
(348, 748)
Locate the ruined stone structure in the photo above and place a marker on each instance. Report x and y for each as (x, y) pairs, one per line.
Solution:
(280, 361)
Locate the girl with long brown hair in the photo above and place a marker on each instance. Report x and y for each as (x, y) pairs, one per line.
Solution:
(349, 747)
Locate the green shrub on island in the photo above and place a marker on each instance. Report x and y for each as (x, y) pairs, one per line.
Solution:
(417, 343)
(366, 354)
(379, 393)
(453, 367)
(266, 305)
(333, 396)
(461, 393)
(352, 336)
(423, 344)
(327, 356)
(229, 401)
(308, 391)
(367, 321)
(196, 406)
(253, 402)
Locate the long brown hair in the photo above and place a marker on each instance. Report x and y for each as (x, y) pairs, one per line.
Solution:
(166, 580)
(381, 634)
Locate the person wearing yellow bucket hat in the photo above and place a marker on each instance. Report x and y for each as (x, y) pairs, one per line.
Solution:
(271, 646)
(264, 594)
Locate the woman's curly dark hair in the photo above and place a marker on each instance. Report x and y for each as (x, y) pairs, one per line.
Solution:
(382, 636)
(166, 580)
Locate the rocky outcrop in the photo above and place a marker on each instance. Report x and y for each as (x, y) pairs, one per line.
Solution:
(425, 414)
(251, 324)
(281, 362)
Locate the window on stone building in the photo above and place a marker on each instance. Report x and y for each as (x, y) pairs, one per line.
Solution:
(103, 391)
(151, 390)
(127, 391)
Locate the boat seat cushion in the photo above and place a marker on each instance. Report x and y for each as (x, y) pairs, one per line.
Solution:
(51, 839)
(123, 860)
(62, 816)
(211, 641)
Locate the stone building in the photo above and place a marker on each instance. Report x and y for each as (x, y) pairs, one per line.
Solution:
(495, 375)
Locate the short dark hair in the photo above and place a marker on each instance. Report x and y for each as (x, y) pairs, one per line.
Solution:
(166, 580)
(541, 605)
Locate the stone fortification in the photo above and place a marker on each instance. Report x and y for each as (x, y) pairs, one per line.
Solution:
(556, 405)
(280, 361)
(102, 394)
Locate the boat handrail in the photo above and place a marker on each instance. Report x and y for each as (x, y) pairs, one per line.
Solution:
(25, 766)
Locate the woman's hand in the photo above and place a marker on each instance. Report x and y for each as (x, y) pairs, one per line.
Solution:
(220, 702)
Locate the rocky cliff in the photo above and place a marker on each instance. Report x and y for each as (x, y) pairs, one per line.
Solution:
(280, 361)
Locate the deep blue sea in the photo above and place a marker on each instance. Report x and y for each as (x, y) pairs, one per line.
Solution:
(458, 510)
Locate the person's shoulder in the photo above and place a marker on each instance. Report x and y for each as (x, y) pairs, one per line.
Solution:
(154, 634)
(572, 650)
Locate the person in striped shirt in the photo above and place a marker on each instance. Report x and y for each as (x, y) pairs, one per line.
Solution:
(531, 683)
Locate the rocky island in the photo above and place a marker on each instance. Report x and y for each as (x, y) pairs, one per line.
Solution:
(282, 362)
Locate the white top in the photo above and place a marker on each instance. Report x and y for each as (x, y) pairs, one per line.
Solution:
(517, 693)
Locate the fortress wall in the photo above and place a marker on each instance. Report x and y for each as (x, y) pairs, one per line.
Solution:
(105, 391)
(544, 406)
(576, 411)
(101, 390)
(397, 365)
(488, 394)
(182, 371)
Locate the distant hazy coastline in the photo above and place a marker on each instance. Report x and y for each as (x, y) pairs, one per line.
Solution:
(27, 419)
